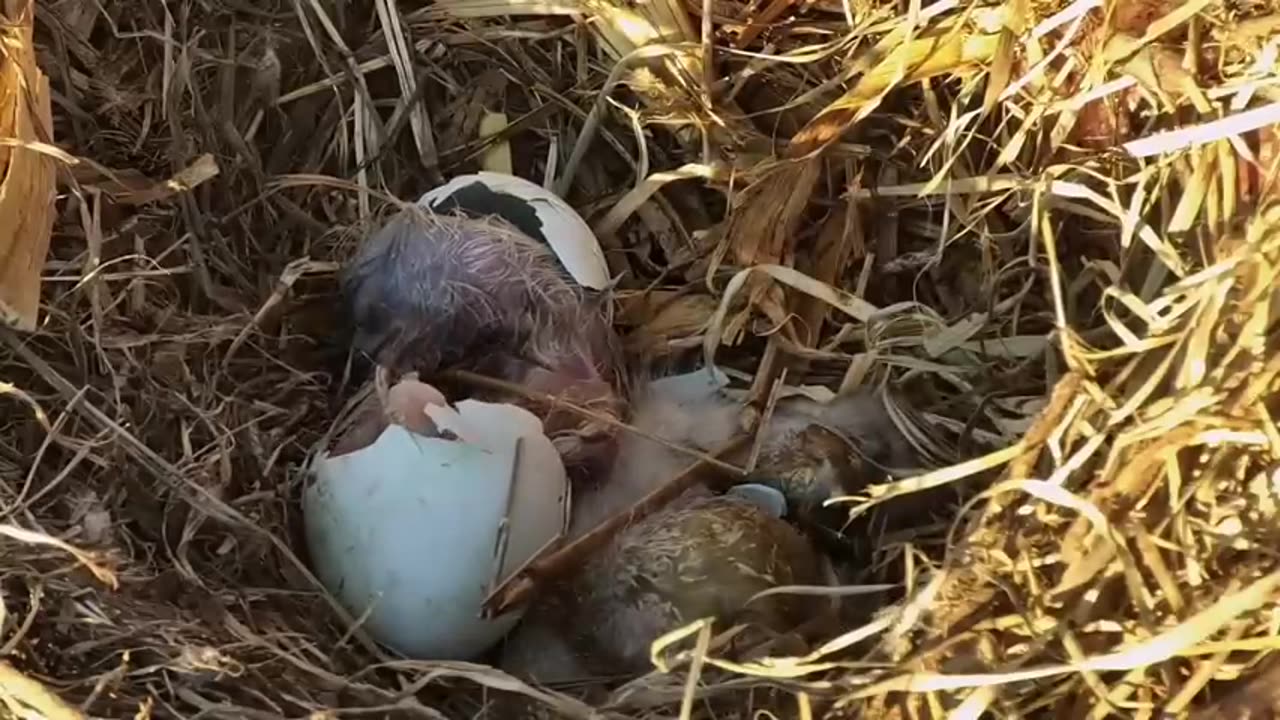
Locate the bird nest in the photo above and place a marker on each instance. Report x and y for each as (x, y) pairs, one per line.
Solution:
(1049, 223)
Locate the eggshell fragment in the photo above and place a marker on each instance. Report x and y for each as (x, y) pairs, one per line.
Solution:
(407, 403)
(410, 525)
(536, 211)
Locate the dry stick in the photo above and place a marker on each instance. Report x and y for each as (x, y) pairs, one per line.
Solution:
(517, 589)
(1059, 400)
(199, 497)
(775, 378)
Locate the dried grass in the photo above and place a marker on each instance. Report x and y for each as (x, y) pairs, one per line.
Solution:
(26, 174)
(1050, 221)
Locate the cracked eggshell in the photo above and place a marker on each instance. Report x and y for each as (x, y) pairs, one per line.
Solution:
(409, 524)
(535, 211)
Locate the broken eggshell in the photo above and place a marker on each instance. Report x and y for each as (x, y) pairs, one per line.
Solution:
(407, 528)
(532, 209)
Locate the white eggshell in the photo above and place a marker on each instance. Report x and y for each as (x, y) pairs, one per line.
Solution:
(409, 524)
(570, 237)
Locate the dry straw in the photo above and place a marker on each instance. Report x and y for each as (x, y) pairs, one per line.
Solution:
(26, 173)
(1050, 222)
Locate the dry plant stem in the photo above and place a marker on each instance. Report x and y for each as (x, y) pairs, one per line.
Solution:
(520, 587)
(836, 241)
(594, 118)
(18, 687)
(964, 589)
(758, 25)
(489, 383)
(779, 199)
(1033, 442)
(26, 175)
(787, 191)
(765, 391)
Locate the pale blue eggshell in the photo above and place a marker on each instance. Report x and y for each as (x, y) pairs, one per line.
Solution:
(410, 523)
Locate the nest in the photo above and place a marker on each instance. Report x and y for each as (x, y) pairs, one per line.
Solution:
(1049, 222)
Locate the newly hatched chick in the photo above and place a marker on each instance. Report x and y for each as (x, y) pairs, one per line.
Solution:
(429, 291)
(814, 451)
(684, 409)
(811, 451)
(702, 556)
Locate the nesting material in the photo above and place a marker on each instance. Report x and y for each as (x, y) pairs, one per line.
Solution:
(26, 174)
(967, 215)
(1145, 501)
(417, 530)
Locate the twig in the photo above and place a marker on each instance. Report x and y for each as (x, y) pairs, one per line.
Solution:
(199, 496)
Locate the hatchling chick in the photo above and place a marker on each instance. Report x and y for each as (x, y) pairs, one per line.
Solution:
(814, 451)
(428, 292)
(704, 555)
(810, 451)
(809, 464)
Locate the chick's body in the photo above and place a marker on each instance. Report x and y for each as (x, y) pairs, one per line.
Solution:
(810, 451)
(428, 292)
(702, 556)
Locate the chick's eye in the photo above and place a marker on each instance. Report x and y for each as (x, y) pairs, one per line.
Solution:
(370, 324)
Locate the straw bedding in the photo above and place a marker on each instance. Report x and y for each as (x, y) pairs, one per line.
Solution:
(1049, 222)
